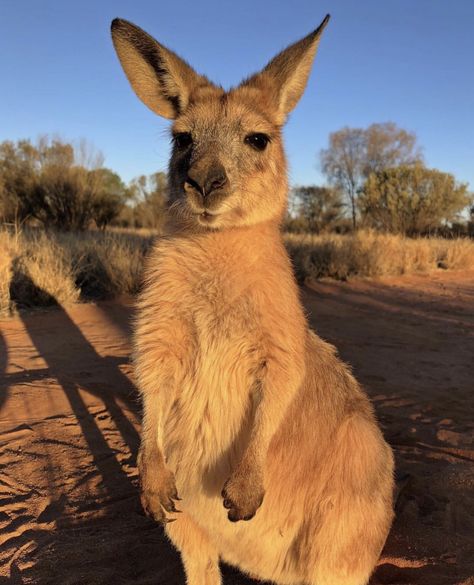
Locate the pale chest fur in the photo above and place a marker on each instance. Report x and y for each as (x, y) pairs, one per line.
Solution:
(206, 302)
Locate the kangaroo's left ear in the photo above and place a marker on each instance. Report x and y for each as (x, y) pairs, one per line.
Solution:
(287, 74)
(161, 79)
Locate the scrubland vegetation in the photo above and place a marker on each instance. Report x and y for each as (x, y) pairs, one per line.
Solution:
(370, 254)
(73, 230)
(41, 268)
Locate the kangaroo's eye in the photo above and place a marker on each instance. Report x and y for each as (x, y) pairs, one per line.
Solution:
(258, 140)
(183, 140)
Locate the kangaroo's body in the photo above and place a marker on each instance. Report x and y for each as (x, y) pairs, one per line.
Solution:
(252, 419)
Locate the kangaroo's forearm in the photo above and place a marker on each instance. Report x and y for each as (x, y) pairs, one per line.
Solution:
(278, 385)
(157, 381)
(155, 406)
(157, 485)
(161, 343)
(281, 375)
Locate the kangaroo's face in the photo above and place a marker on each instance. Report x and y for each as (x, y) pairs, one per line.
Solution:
(227, 165)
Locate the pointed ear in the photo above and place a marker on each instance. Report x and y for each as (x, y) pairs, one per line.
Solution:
(161, 79)
(287, 74)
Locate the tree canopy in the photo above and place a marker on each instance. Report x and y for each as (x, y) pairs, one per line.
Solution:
(411, 199)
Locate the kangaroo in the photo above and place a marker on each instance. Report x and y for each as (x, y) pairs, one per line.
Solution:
(250, 420)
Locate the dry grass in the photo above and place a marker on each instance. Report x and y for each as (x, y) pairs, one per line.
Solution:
(45, 268)
(372, 254)
(40, 268)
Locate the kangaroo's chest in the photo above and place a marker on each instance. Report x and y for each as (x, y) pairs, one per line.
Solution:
(214, 398)
(217, 298)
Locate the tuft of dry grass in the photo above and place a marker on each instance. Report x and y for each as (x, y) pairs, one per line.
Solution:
(106, 264)
(42, 273)
(39, 268)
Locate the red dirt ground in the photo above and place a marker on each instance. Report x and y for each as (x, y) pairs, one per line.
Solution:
(69, 424)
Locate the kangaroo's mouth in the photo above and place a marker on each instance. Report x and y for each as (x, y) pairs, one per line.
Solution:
(207, 218)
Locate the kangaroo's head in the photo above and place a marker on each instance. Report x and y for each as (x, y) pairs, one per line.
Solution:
(227, 166)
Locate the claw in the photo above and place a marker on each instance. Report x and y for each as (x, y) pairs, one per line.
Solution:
(168, 520)
(232, 518)
(156, 517)
(169, 506)
(172, 508)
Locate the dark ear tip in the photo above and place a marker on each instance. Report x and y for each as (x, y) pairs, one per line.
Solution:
(118, 23)
(323, 24)
(326, 19)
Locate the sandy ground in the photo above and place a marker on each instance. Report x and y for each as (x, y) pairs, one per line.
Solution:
(69, 425)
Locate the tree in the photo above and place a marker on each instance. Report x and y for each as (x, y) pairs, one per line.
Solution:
(57, 184)
(149, 194)
(17, 177)
(343, 163)
(320, 207)
(354, 153)
(412, 199)
(110, 198)
(389, 146)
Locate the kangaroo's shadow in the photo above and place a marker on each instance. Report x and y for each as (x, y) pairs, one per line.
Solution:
(108, 536)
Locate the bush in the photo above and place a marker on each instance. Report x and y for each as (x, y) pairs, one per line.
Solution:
(58, 185)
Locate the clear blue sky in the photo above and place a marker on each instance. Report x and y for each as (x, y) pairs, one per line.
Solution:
(406, 61)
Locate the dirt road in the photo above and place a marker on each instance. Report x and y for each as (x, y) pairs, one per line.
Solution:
(69, 424)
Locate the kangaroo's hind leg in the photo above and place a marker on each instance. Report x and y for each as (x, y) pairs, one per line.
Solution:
(355, 511)
(200, 557)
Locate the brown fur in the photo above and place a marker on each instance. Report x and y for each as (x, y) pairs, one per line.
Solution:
(248, 415)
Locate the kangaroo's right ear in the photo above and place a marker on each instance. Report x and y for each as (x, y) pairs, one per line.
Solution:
(161, 79)
(285, 77)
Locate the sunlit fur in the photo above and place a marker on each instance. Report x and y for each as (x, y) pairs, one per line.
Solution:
(237, 392)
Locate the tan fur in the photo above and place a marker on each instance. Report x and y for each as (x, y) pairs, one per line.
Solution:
(248, 415)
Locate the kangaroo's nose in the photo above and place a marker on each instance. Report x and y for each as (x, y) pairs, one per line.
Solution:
(207, 180)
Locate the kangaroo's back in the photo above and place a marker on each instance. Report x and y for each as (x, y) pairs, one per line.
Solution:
(251, 422)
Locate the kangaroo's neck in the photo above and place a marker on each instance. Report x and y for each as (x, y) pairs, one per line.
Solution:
(256, 236)
(250, 250)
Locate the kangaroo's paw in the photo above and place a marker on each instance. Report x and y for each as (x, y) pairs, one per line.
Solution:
(243, 495)
(158, 492)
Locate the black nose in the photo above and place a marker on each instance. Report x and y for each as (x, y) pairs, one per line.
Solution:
(207, 180)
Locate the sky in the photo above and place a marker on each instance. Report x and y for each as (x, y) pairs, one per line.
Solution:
(405, 61)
